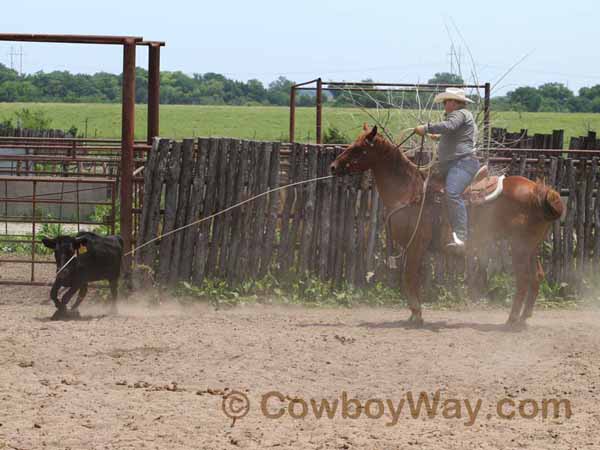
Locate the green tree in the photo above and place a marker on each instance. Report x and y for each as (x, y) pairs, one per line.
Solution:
(525, 98)
(595, 105)
(7, 74)
(556, 95)
(446, 78)
(279, 91)
(255, 91)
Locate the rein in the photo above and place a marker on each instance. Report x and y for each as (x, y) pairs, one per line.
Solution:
(396, 147)
(388, 221)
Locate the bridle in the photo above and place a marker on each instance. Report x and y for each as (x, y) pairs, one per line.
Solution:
(353, 161)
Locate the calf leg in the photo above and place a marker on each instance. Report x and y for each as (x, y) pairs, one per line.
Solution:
(54, 294)
(68, 295)
(534, 288)
(114, 293)
(61, 305)
(82, 293)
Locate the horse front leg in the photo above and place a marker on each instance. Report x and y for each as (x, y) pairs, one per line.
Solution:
(412, 282)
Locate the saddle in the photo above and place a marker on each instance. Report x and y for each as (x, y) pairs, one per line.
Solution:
(483, 188)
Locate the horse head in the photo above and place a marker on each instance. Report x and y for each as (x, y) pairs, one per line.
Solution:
(360, 156)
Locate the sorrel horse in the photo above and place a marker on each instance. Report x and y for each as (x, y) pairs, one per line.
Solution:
(522, 213)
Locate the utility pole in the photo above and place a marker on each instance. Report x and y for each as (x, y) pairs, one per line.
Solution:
(451, 55)
(12, 54)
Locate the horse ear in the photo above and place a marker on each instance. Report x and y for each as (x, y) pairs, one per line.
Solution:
(372, 134)
(365, 126)
(370, 139)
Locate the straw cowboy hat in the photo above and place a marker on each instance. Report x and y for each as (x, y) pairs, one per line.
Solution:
(452, 94)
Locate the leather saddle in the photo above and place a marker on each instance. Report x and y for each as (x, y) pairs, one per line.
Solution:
(482, 189)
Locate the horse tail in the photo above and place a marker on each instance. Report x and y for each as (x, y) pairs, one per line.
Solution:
(549, 201)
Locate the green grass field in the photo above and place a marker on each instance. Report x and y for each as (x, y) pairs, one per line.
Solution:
(269, 123)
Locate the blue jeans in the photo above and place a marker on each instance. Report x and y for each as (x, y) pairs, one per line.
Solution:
(460, 173)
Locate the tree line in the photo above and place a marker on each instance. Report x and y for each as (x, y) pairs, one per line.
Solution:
(176, 88)
(550, 97)
(216, 89)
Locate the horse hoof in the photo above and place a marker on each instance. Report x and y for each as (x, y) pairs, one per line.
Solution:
(59, 314)
(419, 323)
(515, 325)
(416, 321)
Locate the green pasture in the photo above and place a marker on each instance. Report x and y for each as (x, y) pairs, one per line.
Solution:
(271, 122)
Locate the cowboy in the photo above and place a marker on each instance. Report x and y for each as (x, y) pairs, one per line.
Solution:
(456, 150)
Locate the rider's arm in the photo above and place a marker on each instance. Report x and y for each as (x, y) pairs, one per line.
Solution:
(453, 121)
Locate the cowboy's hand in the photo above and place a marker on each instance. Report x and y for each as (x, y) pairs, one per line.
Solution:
(420, 130)
(435, 137)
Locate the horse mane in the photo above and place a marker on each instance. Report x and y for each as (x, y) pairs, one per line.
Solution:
(408, 179)
(400, 162)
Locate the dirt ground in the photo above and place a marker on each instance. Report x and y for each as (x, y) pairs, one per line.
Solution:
(156, 377)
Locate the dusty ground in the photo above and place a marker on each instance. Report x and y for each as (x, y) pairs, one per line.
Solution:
(155, 377)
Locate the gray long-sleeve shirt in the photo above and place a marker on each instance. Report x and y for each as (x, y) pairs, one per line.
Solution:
(458, 135)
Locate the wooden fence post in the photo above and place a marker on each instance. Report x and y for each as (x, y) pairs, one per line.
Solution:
(227, 222)
(171, 187)
(568, 256)
(202, 241)
(185, 185)
(194, 207)
(298, 206)
(273, 209)
(310, 193)
(147, 255)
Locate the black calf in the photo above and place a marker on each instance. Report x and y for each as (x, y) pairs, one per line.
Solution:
(98, 258)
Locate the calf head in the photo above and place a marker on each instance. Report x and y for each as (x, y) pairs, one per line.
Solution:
(64, 248)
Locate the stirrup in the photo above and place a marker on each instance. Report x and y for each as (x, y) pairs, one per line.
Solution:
(456, 244)
(392, 262)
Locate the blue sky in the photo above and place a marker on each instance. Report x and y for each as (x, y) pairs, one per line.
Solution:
(344, 40)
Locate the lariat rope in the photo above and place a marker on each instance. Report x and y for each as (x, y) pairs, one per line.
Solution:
(270, 191)
(212, 216)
